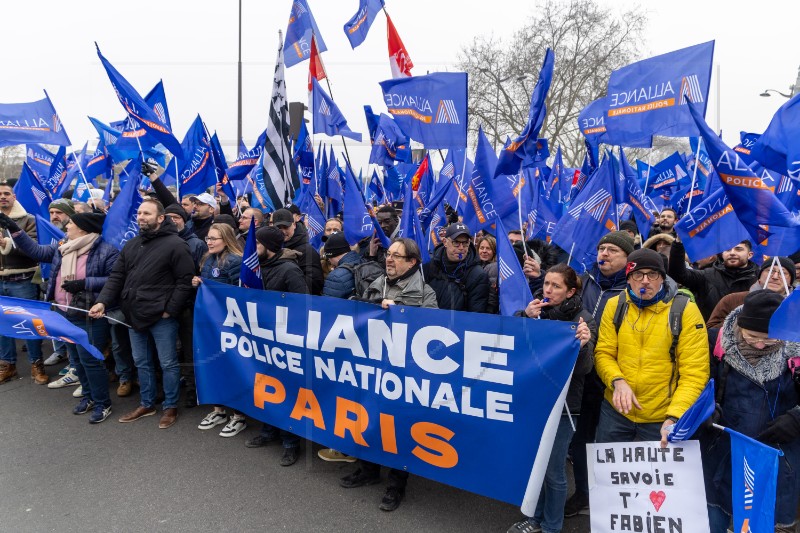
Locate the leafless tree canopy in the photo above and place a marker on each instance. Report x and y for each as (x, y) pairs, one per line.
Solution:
(589, 42)
(11, 158)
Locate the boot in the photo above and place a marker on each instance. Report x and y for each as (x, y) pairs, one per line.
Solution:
(7, 371)
(38, 374)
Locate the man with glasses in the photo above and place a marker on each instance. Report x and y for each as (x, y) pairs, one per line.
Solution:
(455, 274)
(244, 223)
(650, 381)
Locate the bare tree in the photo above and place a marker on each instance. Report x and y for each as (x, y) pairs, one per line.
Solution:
(589, 42)
(11, 158)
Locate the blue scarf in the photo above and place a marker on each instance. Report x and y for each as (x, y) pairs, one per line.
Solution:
(641, 304)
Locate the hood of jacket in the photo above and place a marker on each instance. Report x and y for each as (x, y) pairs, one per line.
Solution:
(299, 238)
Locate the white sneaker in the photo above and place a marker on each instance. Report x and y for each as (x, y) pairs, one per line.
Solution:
(55, 358)
(236, 425)
(78, 392)
(212, 419)
(67, 380)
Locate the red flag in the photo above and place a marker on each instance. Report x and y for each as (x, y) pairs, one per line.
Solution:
(315, 67)
(416, 179)
(399, 61)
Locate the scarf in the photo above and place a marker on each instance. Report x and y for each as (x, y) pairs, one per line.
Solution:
(641, 304)
(610, 282)
(71, 250)
(752, 354)
(411, 271)
(565, 311)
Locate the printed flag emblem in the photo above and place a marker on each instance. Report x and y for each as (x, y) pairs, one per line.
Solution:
(56, 124)
(504, 270)
(690, 86)
(38, 194)
(448, 170)
(314, 227)
(324, 108)
(749, 485)
(446, 114)
(159, 109)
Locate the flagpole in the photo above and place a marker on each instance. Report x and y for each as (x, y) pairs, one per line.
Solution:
(177, 178)
(330, 92)
(519, 212)
(647, 178)
(80, 169)
(572, 249)
(458, 186)
(694, 174)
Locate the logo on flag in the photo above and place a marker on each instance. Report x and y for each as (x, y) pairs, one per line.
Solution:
(596, 206)
(324, 108)
(749, 484)
(448, 171)
(446, 114)
(56, 124)
(38, 194)
(159, 109)
(503, 270)
(298, 9)
(690, 86)
(314, 227)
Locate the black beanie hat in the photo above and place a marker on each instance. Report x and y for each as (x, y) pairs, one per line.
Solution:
(620, 239)
(177, 209)
(270, 238)
(758, 308)
(89, 222)
(645, 258)
(336, 244)
(786, 263)
(629, 225)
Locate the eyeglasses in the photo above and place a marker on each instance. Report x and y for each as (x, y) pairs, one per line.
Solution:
(639, 275)
(212, 239)
(396, 256)
(462, 244)
(609, 250)
(752, 341)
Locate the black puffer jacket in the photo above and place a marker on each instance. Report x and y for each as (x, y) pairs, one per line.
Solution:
(308, 259)
(711, 284)
(462, 286)
(153, 275)
(281, 273)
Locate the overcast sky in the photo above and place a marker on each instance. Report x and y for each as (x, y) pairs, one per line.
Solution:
(192, 46)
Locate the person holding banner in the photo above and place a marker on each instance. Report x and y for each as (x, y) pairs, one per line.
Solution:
(559, 299)
(80, 267)
(222, 264)
(757, 396)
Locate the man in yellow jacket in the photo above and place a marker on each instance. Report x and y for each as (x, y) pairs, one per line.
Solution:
(647, 389)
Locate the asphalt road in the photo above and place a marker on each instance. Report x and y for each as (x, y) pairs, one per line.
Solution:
(59, 473)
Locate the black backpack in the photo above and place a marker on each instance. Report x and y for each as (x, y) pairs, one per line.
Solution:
(364, 274)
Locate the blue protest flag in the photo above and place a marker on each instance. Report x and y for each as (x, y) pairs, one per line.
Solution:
(357, 219)
(669, 173)
(680, 201)
(315, 218)
(745, 146)
(39, 159)
(197, 171)
(410, 227)
(98, 164)
(75, 163)
(653, 96)
(512, 156)
(430, 109)
(139, 110)
(301, 27)
(31, 122)
(691, 420)
(640, 203)
(119, 148)
(766, 219)
(120, 225)
(46, 234)
(710, 227)
(261, 198)
(246, 160)
(481, 207)
(31, 194)
(754, 479)
(376, 186)
(422, 183)
(250, 274)
(81, 193)
(699, 159)
(591, 121)
(393, 182)
(221, 168)
(515, 294)
(333, 187)
(389, 143)
(783, 324)
(32, 320)
(303, 157)
(778, 148)
(554, 184)
(157, 99)
(357, 27)
(372, 121)
(327, 117)
(56, 181)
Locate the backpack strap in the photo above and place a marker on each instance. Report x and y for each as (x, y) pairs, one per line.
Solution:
(619, 313)
(676, 322)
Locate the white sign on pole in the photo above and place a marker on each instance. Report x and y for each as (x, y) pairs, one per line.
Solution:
(640, 487)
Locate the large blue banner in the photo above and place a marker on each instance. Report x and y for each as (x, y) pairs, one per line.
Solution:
(33, 122)
(423, 390)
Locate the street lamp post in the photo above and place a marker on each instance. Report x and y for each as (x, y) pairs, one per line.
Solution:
(239, 114)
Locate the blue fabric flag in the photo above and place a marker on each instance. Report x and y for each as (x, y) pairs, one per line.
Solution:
(56, 181)
(653, 96)
(754, 479)
(120, 225)
(745, 146)
(46, 234)
(33, 320)
(389, 143)
(641, 204)
(410, 227)
(133, 134)
(766, 219)
(119, 148)
(693, 418)
(261, 197)
(246, 160)
(699, 158)
(783, 324)
(515, 294)
(430, 109)
(250, 274)
(333, 187)
(198, 172)
(139, 110)
(82, 193)
(778, 148)
(33, 122)
(326, 115)
(301, 27)
(670, 173)
(591, 121)
(485, 201)
(512, 156)
(357, 219)
(376, 186)
(31, 194)
(356, 28)
(710, 227)
(221, 168)
(372, 121)
(680, 201)
(39, 159)
(303, 157)
(315, 218)
(99, 164)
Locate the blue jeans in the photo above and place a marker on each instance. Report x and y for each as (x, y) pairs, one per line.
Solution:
(91, 370)
(8, 348)
(289, 440)
(121, 348)
(718, 520)
(550, 508)
(615, 427)
(164, 334)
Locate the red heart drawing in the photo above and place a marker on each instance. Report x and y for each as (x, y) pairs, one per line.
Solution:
(657, 498)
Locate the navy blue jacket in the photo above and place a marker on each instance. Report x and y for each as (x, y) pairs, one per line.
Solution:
(197, 247)
(466, 288)
(598, 290)
(228, 272)
(340, 283)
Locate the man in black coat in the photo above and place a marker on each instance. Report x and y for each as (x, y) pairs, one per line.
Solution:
(455, 274)
(296, 238)
(152, 281)
(732, 272)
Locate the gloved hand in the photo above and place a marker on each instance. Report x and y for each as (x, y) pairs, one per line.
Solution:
(715, 417)
(148, 169)
(76, 285)
(783, 429)
(6, 222)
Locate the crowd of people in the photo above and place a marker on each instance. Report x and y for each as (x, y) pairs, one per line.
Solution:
(652, 326)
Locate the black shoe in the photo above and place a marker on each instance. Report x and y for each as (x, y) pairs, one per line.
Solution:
(358, 479)
(391, 499)
(577, 504)
(290, 456)
(260, 440)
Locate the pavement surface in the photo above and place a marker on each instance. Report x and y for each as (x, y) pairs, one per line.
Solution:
(60, 473)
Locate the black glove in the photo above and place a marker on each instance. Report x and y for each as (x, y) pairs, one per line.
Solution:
(148, 169)
(7, 223)
(783, 429)
(715, 417)
(74, 286)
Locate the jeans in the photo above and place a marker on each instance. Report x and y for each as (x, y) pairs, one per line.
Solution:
(121, 348)
(585, 429)
(8, 348)
(718, 520)
(164, 334)
(186, 324)
(550, 508)
(615, 427)
(91, 371)
(289, 440)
